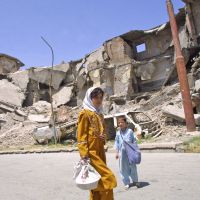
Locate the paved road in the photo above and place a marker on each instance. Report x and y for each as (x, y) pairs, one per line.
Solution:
(165, 176)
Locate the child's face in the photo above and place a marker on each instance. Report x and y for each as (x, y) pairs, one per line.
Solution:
(122, 124)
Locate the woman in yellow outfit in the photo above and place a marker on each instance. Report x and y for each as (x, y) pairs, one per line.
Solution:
(91, 140)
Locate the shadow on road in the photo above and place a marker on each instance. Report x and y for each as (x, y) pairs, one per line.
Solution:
(142, 184)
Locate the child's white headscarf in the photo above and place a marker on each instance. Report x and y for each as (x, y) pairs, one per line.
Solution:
(87, 102)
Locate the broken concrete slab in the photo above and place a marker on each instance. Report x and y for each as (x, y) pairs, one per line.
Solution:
(11, 93)
(40, 107)
(20, 78)
(42, 75)
(69, 72)
(174, 112)
(62, 114)
(6, 108)
(20, 112)
(123, 84)
(2, 119)
(65, 67)
(95, 76)
(196, 101)
(119, 51)
(40, 118)
(145, 70)
(63, 96)
(40, 112)
(9, 64)
(107, 82)
(153, 74)
(17, 117)
(94, 59)
(44, 134)
(178, 114)
(197, 85)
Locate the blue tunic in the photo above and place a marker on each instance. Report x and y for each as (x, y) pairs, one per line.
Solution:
(127, 171)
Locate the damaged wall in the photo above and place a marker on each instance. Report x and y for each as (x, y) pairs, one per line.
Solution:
(119, 51)
(118, 65)
(193, 14)
(9, 64)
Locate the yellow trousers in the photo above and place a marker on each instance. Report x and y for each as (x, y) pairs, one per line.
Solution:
(103, 195)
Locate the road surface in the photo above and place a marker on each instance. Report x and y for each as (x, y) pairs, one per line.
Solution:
(164, 176)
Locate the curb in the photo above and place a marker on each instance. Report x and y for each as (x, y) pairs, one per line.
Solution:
(158, 147)
(37, 151)
(148, 147)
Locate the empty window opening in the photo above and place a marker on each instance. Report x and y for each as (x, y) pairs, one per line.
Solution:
(141, 48)
(43, 86)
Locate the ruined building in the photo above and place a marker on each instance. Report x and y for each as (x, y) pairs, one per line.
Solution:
(126, 67)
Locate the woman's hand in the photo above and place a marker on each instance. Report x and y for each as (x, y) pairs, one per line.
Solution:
(102, 136)
(117, 156)
(84, 160)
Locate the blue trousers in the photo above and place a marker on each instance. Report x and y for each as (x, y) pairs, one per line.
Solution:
(128, 172)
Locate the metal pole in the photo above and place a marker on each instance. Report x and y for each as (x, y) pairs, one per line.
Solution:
(50, 89)
(181, 69)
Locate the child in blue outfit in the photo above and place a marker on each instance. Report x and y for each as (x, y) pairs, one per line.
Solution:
(128, 171)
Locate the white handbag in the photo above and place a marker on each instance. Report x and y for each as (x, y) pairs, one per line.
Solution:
(86, 177)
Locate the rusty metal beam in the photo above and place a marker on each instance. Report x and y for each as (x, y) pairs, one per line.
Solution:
(181, 69)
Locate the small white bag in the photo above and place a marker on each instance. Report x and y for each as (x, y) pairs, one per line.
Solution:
(86, 177)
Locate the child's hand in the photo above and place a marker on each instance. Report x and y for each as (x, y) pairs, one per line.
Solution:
(117, 156)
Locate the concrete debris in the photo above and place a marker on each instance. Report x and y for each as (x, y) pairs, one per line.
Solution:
(9, 64)
(66, 114)
(119, 51)
(20, 79)
(2, 120)
(17, 117)
(63, 96)
(137, 120)
(40, 107)
(178, 114)
(17, 135)
(44, 134)
(42, 75)
(5, 108)
(40, 118)
(136, 70)
(174, 112)
(197, 86)
(11, 93)
(20, 113)
(40, 112)
(196, 102)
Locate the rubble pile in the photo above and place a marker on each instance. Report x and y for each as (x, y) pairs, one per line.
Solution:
(136, 70)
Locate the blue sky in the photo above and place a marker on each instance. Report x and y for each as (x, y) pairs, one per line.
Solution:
(73, 27)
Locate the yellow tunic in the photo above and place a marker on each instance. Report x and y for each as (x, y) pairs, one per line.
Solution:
(90, 126)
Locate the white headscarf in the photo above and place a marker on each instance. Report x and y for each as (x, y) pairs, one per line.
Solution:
(87, 102)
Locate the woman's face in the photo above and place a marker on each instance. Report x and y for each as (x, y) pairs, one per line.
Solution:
(122, 124)
(97, 101)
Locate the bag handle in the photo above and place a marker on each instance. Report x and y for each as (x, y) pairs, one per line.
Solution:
(126, 141)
